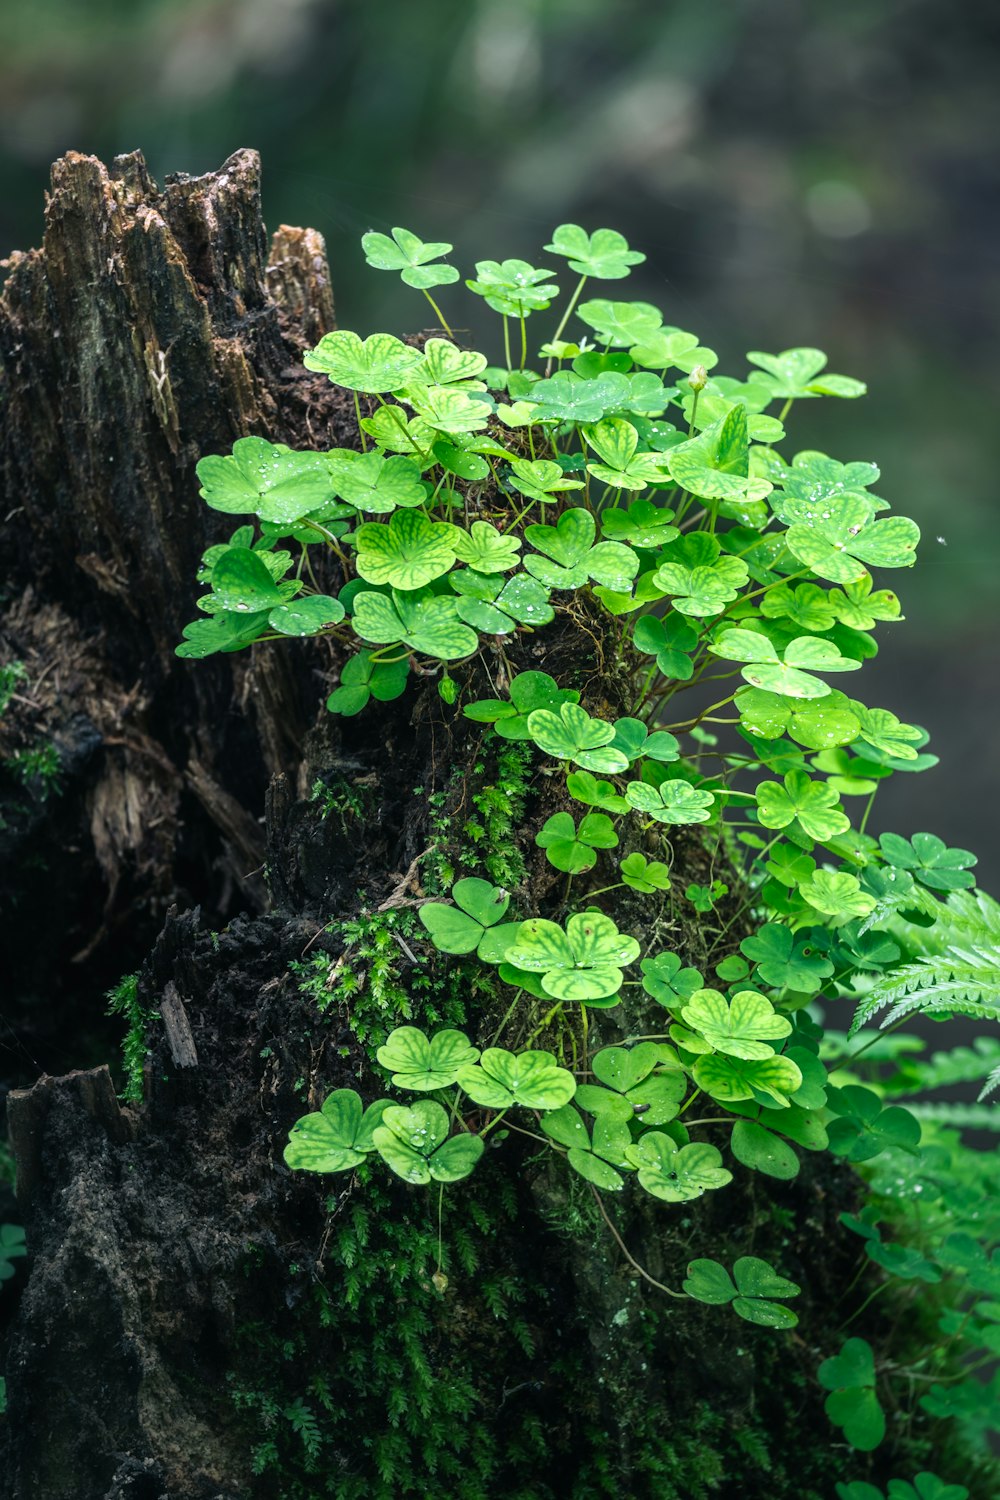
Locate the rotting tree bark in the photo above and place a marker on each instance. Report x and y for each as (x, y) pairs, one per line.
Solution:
(187, 1293)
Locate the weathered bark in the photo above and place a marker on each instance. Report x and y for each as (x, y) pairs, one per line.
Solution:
(186, 1290)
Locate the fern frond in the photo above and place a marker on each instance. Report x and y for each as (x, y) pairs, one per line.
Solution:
(962, 1116)
(991, 1085)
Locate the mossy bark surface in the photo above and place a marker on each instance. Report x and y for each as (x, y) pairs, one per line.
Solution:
(199, 1323)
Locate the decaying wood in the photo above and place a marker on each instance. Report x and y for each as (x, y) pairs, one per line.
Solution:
(90, 1092)
(180, 1040)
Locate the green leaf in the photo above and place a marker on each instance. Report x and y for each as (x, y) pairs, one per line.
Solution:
(265, 480)
(615, 441)
(306, 616)
(571, 849)
(376, 364)
(540, 479)
(571, 734)
(675, 802)
(426, 621)
(645, 875)
(363, 679)
(930, 860)
(485, 550)
(620, 324)
(812, 805)
(670, 640)
(742, 1027)
(418, 1062)
(407, 551)
(569, 541)
(407, 253)
(807, 606)
(474, 922)
(446, 364)
(787, 673)
(853, 1404)
(445, 409)
(224, 632)
(604, 255)
(715, 465)
(414, 1143)
(794, 375)
(633, 738)
(708, 1281)
(757, 1282)
(837, 895)
(513, 287)
(763, 1152)
(676, 1174)
(493, 604)
(337, 1138)
(836, 544)
(241, 582)
(701, 581)
(732, 1079)
(864, 1129)
(587, 789)
(372, 482)
(664, 978)
(785, 959)
(817, 723)
(533, 1080)
(528, 691)
(644, 524)
(581, 963)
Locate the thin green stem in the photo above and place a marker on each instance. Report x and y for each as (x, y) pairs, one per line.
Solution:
(628, 1254)
(357, 412)
(440, 315)
(565, 319)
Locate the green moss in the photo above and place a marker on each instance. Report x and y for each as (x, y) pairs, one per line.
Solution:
(124, 1001)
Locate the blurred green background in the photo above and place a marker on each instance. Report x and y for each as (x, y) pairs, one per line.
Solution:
(797, 173)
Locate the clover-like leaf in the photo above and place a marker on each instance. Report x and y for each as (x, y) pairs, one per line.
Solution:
(631, 1087)
(864, 1128)
(634, 739)
(223, 632)
(306, 616)
(837, 895)
(599, 1159)
(812, 805)
(376, 364)
(751, 1295)
(528, 691)
(788, 673)
(447, 365)
(582, 962)
(670, 640)
(603, 255)
(493, 604)
(817, 723)
(484, 549)
(426, 621)
(242, 582)
(567, 397)
(265, 480)
(675, 347)
(541, 479)
(838, 542)
(572, 849)
(408, 254)
(741, 1027)
(414, 1142)
(615, 442)
(587, 789)
(475, 922)
(676, 802)
(372, 482)
(644, 524)
(930, 860)
(533, 1080)
(701, 581)
(716, 465)
(731, 1079)
(678, 1174)
(419, 1062)
(859, 607)
(852, 1404)
(363, 679)
(794, 375)
(762, 1151)
(645, 875)
(571, 734)
(807, 606)
(666, 979)
(335, 1138)
(785, 959)
(620, 324)
(513, 287)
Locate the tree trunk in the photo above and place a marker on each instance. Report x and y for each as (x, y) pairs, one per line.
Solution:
(200, 1322)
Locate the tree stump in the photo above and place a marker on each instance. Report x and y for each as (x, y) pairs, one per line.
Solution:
(200, 1323)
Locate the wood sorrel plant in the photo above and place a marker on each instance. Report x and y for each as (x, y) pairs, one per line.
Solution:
(623, 475)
